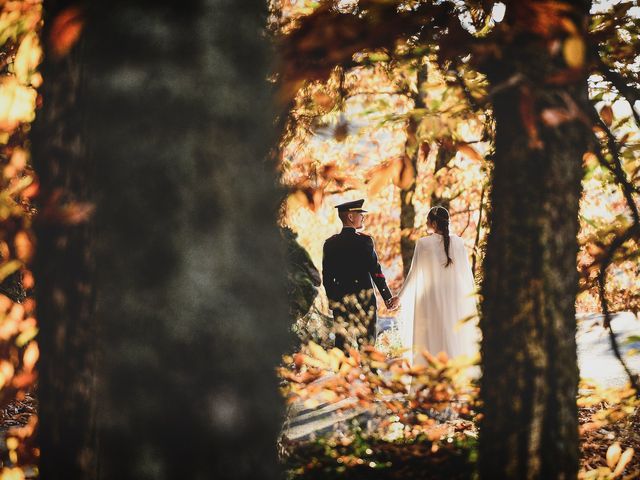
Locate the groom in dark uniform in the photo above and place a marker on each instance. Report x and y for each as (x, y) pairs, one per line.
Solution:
(349, 269)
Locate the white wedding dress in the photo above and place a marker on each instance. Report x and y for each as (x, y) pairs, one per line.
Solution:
(437, 303)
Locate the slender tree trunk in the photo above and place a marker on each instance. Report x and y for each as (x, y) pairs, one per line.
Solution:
(64, 270)
(407, 209)
(412, 151)
(530, 281)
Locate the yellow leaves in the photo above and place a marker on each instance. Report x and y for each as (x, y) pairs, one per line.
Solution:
(613, 455)
(8, 268)
(617, 461)
(17, 103)
(27, 335)
(318, 352)
(574, 51)
(30, 357)
(65, 31)
(27, 58)
(12, 474)
(625, 458)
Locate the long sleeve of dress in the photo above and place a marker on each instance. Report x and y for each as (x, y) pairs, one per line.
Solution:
(408, 296)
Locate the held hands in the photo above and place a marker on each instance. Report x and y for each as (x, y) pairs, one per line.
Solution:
(392, 303)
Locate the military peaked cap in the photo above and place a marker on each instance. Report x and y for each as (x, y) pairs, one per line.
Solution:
(355, 206)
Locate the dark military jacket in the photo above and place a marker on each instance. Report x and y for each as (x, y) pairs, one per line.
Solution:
(350, 265)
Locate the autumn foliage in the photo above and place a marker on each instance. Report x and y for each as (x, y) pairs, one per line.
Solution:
(19, 79)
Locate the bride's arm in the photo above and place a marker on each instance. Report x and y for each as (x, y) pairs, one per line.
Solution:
(412, 270)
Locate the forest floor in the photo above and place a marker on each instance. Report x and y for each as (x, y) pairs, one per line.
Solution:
(13, 418)
(331, 441)
(335, 440)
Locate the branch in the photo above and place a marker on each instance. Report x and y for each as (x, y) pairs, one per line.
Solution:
(478, 229)
(630, 94)
(616, 168)
(327, 38)
(631, 232)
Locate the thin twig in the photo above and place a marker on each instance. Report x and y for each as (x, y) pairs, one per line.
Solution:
(630, 94)
(628, 190)
(478, 229)
(630, 233)
(616, 166)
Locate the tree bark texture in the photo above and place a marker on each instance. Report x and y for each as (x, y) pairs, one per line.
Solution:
(530, 373)
(177, 118)
(412, 151)
(192, 295)
(64, 271)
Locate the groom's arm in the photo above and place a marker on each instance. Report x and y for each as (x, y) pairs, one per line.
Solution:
(328, 274)
(376, 272)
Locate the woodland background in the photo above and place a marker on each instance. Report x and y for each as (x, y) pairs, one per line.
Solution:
(148, 170)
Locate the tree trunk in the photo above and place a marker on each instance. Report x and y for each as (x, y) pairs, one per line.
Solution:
(530, 374)
(412, 151)
(64, 271)
(407, 209)
(191, 299)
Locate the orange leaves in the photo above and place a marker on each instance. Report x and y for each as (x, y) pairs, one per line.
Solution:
(65, 31)
(606, 113)
(468, 151)
(323, 100)
(544, 18)
(22, 53)
(318, 375)
(400, 171)
(65, 212)
(310, 194)
(528, 117)
(17, 164)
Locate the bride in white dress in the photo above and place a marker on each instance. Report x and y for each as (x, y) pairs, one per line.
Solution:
(437, 303)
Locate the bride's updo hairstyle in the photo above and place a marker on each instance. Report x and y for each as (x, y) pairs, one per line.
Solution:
(440, 217)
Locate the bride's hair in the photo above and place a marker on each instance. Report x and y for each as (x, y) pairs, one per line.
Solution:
(440, 216)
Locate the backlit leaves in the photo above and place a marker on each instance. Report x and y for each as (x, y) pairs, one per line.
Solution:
(21, 53)
(574, 51)
(66, 30)
(17, 103)
(606, 113)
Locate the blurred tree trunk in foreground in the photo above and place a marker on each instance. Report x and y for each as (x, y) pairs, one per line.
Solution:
(64, 267)
(190, 281)
(530, 373)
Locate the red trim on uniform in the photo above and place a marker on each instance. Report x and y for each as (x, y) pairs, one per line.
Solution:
(378, 275)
